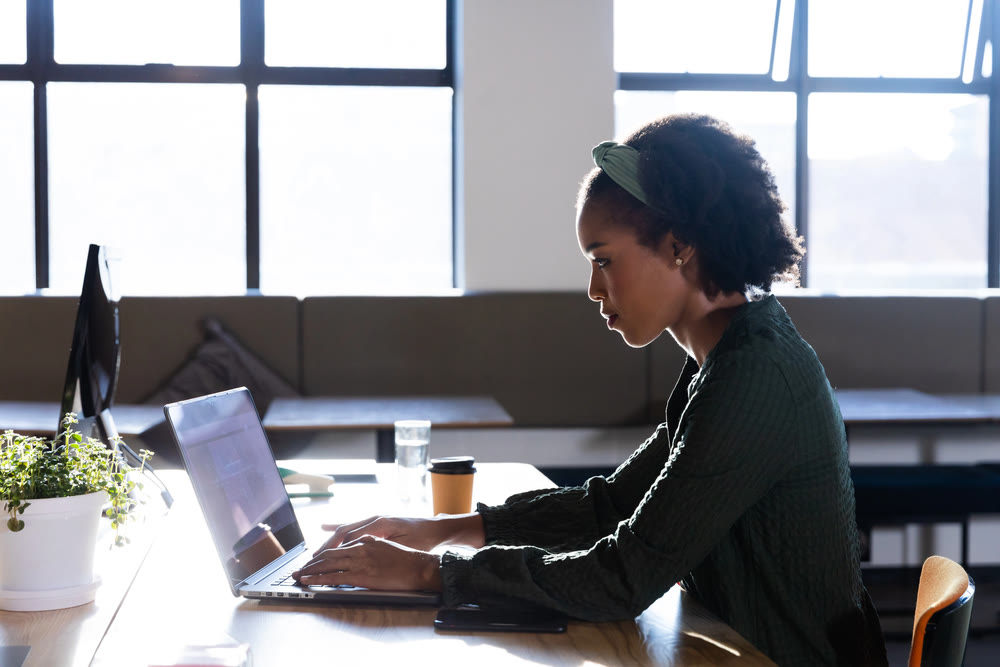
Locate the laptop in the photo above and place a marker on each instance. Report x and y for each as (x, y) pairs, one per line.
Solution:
(248, 512)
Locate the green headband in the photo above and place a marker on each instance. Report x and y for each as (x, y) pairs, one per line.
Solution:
(621, 163)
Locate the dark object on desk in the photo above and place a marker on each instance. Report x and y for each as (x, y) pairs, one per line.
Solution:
(475, 619)
(900, 494)
(942, 615)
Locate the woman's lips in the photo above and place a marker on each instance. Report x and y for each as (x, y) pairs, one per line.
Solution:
(611, 321)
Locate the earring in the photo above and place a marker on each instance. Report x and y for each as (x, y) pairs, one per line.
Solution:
(678, 261)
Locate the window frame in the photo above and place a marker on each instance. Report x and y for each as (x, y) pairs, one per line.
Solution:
(802, 84)
(252, 72)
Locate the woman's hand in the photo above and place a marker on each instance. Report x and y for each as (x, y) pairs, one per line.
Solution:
(420, 534)
(373, 562)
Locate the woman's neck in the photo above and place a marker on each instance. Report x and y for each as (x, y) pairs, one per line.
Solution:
(707, 319)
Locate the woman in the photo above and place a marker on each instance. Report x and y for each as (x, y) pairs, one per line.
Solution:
(743, 493)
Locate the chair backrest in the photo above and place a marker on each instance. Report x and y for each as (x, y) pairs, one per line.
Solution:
(942, 615)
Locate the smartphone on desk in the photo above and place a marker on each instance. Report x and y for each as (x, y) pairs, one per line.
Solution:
(476, 619)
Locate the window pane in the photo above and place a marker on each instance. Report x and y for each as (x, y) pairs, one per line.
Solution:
(769, 118)
(897, 191)
(157, 172)
(126, 32)
(355, 195)
(895, 38)
(346, 33)
(722, 36)
(17, 205)
(13, 32)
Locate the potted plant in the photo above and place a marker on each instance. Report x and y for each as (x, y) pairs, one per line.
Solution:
(52, 494)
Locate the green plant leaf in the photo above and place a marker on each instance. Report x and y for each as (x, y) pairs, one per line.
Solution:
(69, 465)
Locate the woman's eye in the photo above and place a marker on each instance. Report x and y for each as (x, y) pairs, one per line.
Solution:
(601, 262)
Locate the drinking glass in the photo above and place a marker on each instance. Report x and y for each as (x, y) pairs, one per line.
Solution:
(412, 439)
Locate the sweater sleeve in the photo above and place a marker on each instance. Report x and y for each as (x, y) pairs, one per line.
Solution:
(581, 515)
(727, 453)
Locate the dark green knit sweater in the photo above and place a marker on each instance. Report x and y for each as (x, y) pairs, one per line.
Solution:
(744, 493)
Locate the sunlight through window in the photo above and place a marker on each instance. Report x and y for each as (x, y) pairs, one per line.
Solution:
(732, 36)
(13, 32)
(17, 204)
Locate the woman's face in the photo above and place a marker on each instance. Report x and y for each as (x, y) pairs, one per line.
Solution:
(642, 291)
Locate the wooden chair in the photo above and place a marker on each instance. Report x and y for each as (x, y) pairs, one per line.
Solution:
(942, 615)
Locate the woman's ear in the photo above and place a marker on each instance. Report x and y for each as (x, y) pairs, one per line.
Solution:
(675, 251)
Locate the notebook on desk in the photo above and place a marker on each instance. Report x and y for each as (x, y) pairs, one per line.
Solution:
(248, 512)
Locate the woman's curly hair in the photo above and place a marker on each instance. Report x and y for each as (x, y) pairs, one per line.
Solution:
(712, 189)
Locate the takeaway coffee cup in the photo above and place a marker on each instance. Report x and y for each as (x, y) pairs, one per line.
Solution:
(451, 484)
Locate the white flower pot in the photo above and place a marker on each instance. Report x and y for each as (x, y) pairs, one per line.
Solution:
(50, 563)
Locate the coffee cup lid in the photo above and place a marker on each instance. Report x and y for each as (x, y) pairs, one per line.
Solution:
(453, 465)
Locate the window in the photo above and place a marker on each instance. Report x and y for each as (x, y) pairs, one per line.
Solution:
(17, 230)
(663, 36)
(894, 38)
(215, 161)
(121, 174)
(898, 190)
(374, 33)
(126, 32)
(876, 125)
(342, 166)
(12, 32)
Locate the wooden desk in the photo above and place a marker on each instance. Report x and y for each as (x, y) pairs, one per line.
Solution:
(379, 412)
(71, 636)
(41, 418)
(676, 630)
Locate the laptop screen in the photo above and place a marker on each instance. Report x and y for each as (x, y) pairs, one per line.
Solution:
(233, 473)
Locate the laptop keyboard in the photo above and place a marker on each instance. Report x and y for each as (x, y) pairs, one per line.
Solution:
(284, 578)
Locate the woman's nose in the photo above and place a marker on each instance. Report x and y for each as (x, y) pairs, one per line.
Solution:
(595, 290)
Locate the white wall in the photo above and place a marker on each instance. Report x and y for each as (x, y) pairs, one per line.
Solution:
(535, 93)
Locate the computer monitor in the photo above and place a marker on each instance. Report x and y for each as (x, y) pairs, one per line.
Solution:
(94, 355)
(94, 359)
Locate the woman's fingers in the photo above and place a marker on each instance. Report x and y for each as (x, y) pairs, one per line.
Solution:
(421, 534)
(372, 562)
(342, 531)
(337, 554)
(331, 560)
(329, 579)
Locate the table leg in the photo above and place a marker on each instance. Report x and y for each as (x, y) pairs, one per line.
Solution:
(385, 445)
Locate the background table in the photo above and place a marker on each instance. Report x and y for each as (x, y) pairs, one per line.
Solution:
(321, 413)
(927, 492)
(180, 595)
(901, 407)
(41, 418)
